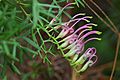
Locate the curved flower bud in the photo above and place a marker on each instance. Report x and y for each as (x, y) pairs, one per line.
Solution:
(86, 26)
(89, 33)
(67, 6)
(76, 36)
(76, 46)
(64, 32)
(54, 19)
(80, 41)
(89, 53)
(64, 44)
(74, 58)
(67, 42)
(76, 49)
(67, 29)
(71, 45)
(70, 40)
(88, 64)
(80, 14)
(83, 18)
(80, 61)
(95, 59)
(78, 20)
(79, 48)
(71, 52)
(69, 37)
(91, 40)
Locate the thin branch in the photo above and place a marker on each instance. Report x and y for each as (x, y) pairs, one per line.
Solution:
(115, 60)
(26, 14)
(100, 17)
(74, 75)
(105, 16)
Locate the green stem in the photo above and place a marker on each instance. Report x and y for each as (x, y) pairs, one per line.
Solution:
(54, 40)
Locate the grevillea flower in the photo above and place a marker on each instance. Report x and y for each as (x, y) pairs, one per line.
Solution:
(74, 38)
(69, 29)
(73, 41)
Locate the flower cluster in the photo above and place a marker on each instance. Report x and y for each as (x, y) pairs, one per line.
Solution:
(73, 41)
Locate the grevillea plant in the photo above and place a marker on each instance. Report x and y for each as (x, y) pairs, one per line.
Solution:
(30, 37)
(72, 41)
(40, 40)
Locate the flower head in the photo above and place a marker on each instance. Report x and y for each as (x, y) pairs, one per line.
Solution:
(75, 40)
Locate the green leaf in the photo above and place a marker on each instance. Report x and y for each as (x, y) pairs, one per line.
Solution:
(7, 52)
(35, 13)
(32, 43)
(47, 5)
(4, 69)
(46, 60)
(81, 3)
(41, 39)
(14, 50)
(30, 50)
(45, 12)
(15, 69)
(6, 49)
(42, 18)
